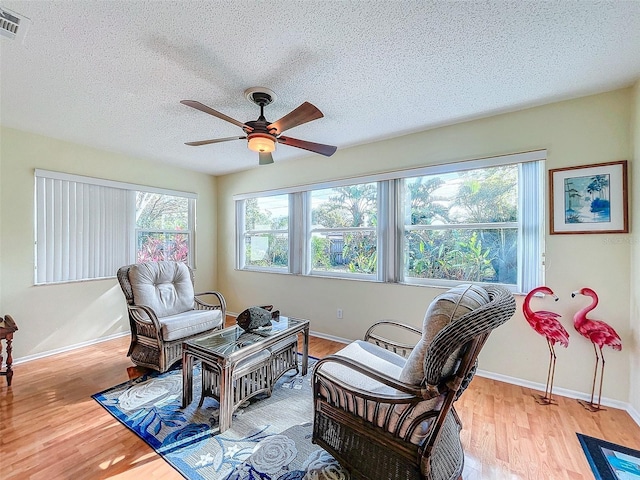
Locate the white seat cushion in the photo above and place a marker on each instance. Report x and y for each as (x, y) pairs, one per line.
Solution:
(373, 356)
(385, 361)
(175, 327)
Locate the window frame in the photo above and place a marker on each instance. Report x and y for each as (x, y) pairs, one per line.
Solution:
(241, 238)
(309, 230)
(129, 226)
(479, 226)
(390, 226)
(190, 232)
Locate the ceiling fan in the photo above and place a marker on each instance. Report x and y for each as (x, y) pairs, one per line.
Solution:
(261, 134)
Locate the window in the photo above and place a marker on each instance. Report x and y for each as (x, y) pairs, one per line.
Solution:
(87, 228)
(476, 221)
(462, 226)
(162, 227)
(343, 234)
(265, 240)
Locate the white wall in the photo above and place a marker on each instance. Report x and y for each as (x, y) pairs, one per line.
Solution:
(58, 316)
(634, 337)
(583, 131)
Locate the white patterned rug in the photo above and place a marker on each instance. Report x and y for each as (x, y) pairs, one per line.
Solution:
(269, 439)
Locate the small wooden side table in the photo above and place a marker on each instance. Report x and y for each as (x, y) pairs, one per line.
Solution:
(7, 328)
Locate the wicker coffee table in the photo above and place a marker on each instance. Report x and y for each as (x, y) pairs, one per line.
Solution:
(237, 365)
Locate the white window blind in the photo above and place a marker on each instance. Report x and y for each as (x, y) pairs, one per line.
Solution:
(82, 230)
(530, 207)
(87, 228)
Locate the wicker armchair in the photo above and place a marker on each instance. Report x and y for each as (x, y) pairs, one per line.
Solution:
(385, 416)
(164, 311)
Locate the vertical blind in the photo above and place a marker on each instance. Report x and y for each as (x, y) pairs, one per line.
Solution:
(82, 230)
(531, 216)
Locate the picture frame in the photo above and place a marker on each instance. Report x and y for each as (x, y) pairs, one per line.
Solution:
(589, 199)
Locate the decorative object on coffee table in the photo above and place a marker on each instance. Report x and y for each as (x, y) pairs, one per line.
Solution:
(7, 328)
(257, 317)
(599, 333)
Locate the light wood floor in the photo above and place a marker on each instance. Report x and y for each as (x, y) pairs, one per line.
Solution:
(51, 428)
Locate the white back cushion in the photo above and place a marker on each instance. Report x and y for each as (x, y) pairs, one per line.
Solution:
(165, 287)
(444, 309)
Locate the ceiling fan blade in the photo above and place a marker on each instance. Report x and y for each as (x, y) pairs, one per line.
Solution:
(303, 114)
(326, 150)
(216, 140)
(215, 113)
(265, 158)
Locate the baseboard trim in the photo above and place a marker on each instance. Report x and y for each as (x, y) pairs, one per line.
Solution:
(333, 338)
(564, 392)
(48, 353)
(634, 414)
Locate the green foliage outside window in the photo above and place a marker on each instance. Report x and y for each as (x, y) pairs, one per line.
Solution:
(159, 220)
(270, 248)
(464, 254)
(267, 250)
(449, 234)
(343, 208)
(156, 247)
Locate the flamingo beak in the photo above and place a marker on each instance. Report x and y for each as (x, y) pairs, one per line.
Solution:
(555, 297)
(573, 294)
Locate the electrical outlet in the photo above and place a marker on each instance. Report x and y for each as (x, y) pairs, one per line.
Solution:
(339, 313)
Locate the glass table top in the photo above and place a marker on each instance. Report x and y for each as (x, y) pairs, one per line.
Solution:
(232, 339)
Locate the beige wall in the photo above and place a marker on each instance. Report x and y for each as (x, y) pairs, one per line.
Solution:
(634, 343)
(58, 316)
(578, 132)
(583, 131)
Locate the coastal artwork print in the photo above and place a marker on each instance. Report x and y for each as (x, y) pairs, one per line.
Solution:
(589, 199)
(586, 199)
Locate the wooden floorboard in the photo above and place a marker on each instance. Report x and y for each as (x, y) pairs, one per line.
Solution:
(51, 428)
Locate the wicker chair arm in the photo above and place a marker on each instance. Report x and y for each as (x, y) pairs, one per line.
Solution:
(411, 393)
(202, 305)
(476, 323)
(138, 313)
(466, 380)
(395, 346)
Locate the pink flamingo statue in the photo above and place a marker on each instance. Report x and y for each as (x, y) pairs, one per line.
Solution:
(600, 334)
(546, 324)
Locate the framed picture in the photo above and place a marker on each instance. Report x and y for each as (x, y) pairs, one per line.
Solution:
(589, 199)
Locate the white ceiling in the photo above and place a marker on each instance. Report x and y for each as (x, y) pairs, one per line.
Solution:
(111, 74)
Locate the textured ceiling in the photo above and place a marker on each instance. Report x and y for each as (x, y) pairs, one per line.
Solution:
(111, 74)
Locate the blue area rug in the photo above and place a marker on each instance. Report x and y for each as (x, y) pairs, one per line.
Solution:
(269, 439)
(609, 461)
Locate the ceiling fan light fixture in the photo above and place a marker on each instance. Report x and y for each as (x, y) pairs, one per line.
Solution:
(261, 143)
(263, 135)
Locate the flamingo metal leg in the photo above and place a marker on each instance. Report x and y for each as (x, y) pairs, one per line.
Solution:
(548, 392)
(590, 405)
(598, 407)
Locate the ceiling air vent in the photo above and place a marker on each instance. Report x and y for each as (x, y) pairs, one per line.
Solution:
(12, 25)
